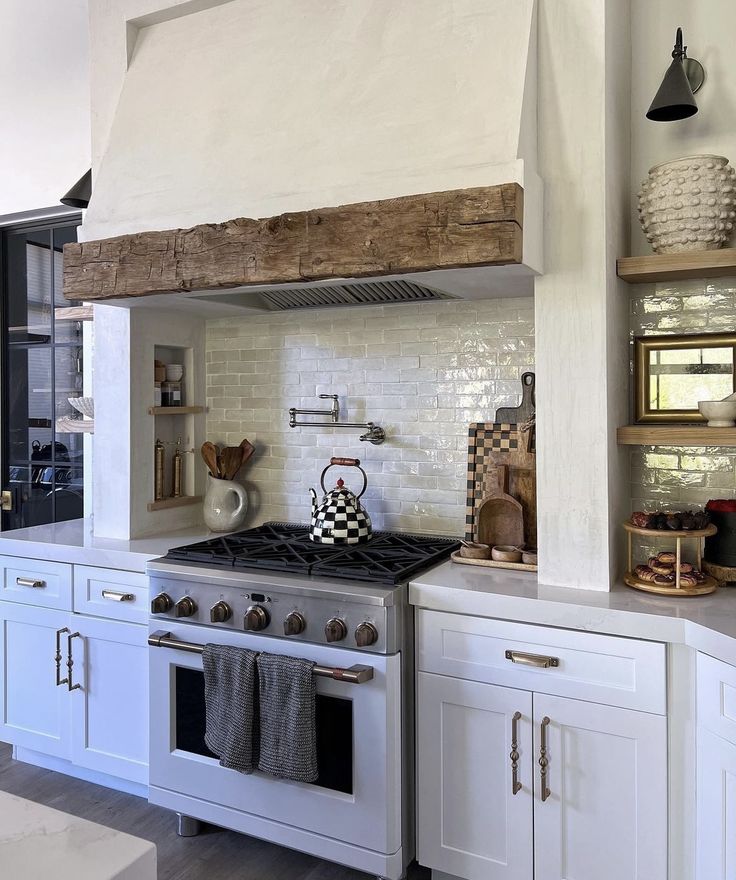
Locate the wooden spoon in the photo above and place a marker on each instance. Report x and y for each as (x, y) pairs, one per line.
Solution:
(232, 458)
(248, 450)
(210, 456)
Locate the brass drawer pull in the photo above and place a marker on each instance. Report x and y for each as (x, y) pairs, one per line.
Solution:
(543, 759)
(70, 661)
(514, 755)
(538, 660)
(117, 596)
(59, 679)
(30, 582)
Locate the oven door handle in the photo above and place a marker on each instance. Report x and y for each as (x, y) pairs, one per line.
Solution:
(352, 675)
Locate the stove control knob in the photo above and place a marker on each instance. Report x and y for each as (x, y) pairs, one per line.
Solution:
(185, 607)
(220, 612)
(335, 630)
(161, 604)
(256, 618)
(295, 624)
(365, 634)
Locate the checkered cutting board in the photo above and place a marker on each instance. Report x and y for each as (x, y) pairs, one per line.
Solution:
(489, 445)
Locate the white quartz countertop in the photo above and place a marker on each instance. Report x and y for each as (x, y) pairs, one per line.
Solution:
(74, 542)
(707, 623)
(38, 843)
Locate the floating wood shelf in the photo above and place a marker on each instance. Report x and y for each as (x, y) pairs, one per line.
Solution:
(677, 267)
(174, 410)
(675, 435)
(166, 503)
(75, 426)
(74, 313)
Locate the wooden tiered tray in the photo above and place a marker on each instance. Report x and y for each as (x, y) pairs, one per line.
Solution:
(709, 585)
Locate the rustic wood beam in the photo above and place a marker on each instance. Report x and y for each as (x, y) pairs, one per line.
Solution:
(446, 230)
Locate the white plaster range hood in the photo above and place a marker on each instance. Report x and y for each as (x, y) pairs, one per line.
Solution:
(210, 110)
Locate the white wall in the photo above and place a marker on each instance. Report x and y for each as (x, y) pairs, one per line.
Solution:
(44, 101)
(708, 27)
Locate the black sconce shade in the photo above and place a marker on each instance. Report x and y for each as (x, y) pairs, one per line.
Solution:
(674, 99)
(79, 195)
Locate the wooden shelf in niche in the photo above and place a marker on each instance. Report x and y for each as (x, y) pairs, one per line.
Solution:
(182, 501)
(74, 313)
(175, 410)
(676, 267)
(675, 435)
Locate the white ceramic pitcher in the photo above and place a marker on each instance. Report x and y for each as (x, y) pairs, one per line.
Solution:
(225, 505)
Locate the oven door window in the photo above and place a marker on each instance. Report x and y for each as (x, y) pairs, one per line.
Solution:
(334, 730)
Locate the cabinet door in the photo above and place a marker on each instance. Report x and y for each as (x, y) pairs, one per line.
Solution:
(35, 711)
(716, 859)
(606, 812)
(470, 823)
(110, 708)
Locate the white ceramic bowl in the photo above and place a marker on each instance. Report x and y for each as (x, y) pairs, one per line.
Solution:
(174, 372)
(84, 405)
(720, 413)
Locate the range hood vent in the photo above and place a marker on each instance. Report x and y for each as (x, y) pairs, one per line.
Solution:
(353, 294)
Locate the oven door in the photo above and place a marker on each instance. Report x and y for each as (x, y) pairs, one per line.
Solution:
(357, 798)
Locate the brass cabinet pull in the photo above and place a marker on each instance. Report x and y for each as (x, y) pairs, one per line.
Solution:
(117, 596)
(539, 660)
(514, 754)
(70, 661)
(30, 582)
(543, 760)
(59, 679)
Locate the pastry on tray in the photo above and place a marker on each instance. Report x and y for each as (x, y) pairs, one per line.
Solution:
(667, 556)
(688, 580)
(674, 520)
(644, 573)
(664, 580)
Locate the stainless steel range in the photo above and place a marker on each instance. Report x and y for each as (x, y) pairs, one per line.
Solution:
(273, 590)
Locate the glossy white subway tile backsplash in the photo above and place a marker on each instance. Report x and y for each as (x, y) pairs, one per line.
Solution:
(682, 477)
(423, 372)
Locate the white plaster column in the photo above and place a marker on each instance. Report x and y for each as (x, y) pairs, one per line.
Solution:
(581, 325)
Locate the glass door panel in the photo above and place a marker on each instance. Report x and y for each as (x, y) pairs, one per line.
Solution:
(42, 369)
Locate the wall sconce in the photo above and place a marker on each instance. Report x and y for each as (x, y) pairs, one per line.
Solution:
(674, 99)
(80, 194)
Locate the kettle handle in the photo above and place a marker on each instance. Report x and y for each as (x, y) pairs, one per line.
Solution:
(345, 462)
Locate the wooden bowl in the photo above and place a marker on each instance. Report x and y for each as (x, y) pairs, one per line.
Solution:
(475, 551)
(505, 553)
(529, 557)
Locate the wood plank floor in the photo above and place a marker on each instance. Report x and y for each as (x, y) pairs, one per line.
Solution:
(213, 855)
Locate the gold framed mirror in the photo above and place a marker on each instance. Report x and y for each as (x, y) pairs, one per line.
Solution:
(672, 373)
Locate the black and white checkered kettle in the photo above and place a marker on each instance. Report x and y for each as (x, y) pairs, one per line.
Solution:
(339, 518)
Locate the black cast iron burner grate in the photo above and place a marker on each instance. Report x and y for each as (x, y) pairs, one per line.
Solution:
(388, 558)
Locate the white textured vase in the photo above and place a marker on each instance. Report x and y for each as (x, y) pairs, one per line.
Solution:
(225, 505)
(688, 204)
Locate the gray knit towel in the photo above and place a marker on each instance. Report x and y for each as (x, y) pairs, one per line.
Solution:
(229, 697)
(287, 698)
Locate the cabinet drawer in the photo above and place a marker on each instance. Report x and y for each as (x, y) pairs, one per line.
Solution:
(717, 697)
(602, 669)
(37, 582)
(107, 592)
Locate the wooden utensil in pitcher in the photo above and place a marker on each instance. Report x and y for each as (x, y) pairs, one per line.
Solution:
(209, 454)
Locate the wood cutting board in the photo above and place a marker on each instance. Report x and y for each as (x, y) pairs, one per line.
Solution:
(489, 446)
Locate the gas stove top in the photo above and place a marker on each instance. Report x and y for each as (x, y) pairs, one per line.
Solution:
(388, 558)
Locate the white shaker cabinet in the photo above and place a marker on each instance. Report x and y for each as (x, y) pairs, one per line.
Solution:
(605, 812)
(74, 687)
(110, 706)
(475, 812)
(716, 746)
(592, 795)
(35, 709)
